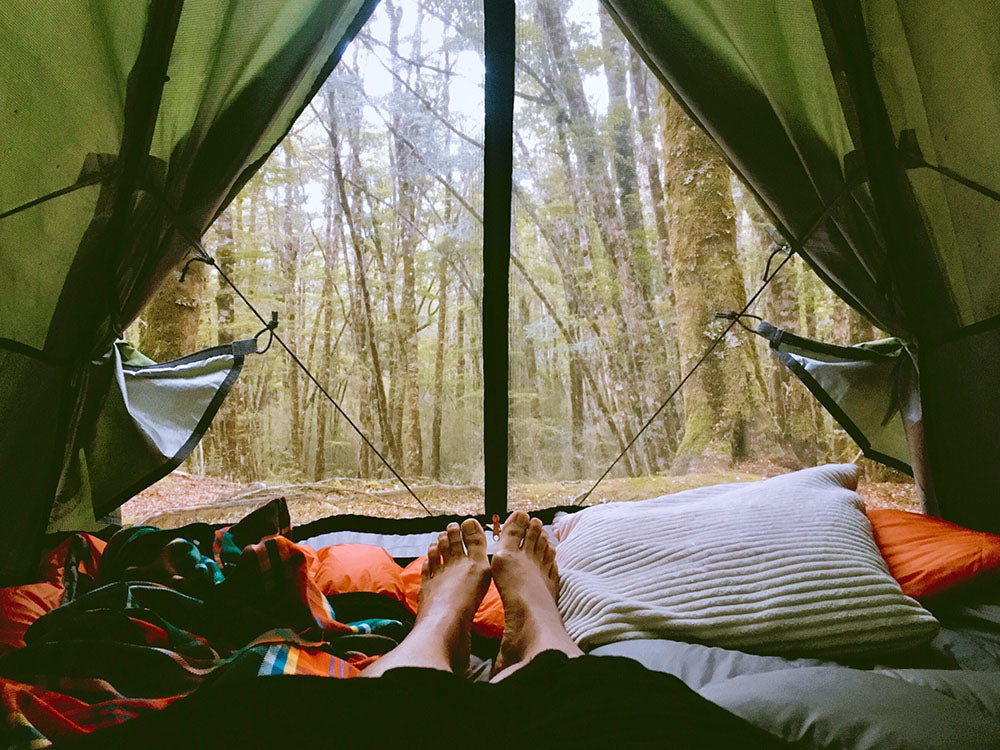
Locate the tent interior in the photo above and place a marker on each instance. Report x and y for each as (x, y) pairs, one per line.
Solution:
(867, 134)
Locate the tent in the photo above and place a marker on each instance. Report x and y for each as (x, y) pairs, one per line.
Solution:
(869, 130)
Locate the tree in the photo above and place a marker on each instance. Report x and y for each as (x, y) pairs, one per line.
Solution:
(410, 435)
(727, 416)
(172, 316)
(442, 322)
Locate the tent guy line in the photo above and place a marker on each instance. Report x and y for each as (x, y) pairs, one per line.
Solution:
(202, 255)
(274, 335)
(734, 318)
(82, 182)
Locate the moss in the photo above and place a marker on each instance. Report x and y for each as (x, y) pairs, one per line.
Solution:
(727, 413)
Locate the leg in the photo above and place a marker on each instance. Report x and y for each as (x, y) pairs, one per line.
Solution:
(524, 568)
(454, 580)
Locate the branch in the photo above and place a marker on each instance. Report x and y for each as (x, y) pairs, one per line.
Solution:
(430, 107)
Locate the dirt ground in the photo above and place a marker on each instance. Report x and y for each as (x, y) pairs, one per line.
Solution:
(181, 498)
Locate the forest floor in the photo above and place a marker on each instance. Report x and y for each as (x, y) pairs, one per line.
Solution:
(181, 498)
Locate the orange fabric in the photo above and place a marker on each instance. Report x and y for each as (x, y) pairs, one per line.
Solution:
(343, 568)
(57, 716)
(21, 606)
(489, 619)
(53, 563)
(928, 555)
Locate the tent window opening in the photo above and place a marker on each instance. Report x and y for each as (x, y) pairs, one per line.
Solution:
(364, 231)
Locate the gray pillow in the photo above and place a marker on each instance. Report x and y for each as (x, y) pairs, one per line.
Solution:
(782, 566)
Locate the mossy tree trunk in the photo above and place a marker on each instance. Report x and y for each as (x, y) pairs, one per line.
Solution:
(171, 317)
(727, 415)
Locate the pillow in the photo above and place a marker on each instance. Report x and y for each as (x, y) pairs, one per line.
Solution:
(928, 555)
(344, 568)
(84, 549)
(489, 619)
(21, 606)
(782, 566)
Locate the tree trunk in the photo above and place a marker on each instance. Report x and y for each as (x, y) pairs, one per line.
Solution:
(289, 252)
(442, 321)
(625, 169)
(460, 350)
(790, 400)
(366, 323)
(396, 344)
(224, 427)
(359, 332)
(638, 77)
(172, 316)
(410, 437)
(727, 416)
(530, 361)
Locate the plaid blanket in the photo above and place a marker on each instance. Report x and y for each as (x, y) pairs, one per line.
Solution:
(128, 648)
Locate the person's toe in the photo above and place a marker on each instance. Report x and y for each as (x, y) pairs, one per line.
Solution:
(444, 545)
(454, 532)
(512, 533)
(474, 538)
(544, 543)
(433, 558)
(549, 563)
(532, 535)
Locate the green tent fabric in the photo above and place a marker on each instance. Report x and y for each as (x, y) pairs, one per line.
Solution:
(127, 128)
(831, 111)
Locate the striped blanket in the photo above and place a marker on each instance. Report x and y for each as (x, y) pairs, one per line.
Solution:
(128, 648)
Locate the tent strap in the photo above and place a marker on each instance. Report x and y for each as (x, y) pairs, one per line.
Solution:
(913, 158)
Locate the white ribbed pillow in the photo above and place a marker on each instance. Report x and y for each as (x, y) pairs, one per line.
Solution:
(783, 566)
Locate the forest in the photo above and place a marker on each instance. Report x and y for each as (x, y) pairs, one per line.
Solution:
(363, 231)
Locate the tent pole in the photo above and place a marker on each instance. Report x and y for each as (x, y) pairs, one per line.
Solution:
(497, 166)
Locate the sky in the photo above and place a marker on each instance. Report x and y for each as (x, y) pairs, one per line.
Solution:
(466, 85)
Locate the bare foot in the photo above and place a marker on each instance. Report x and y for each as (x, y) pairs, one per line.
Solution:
(525, 572)
(454, 580)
